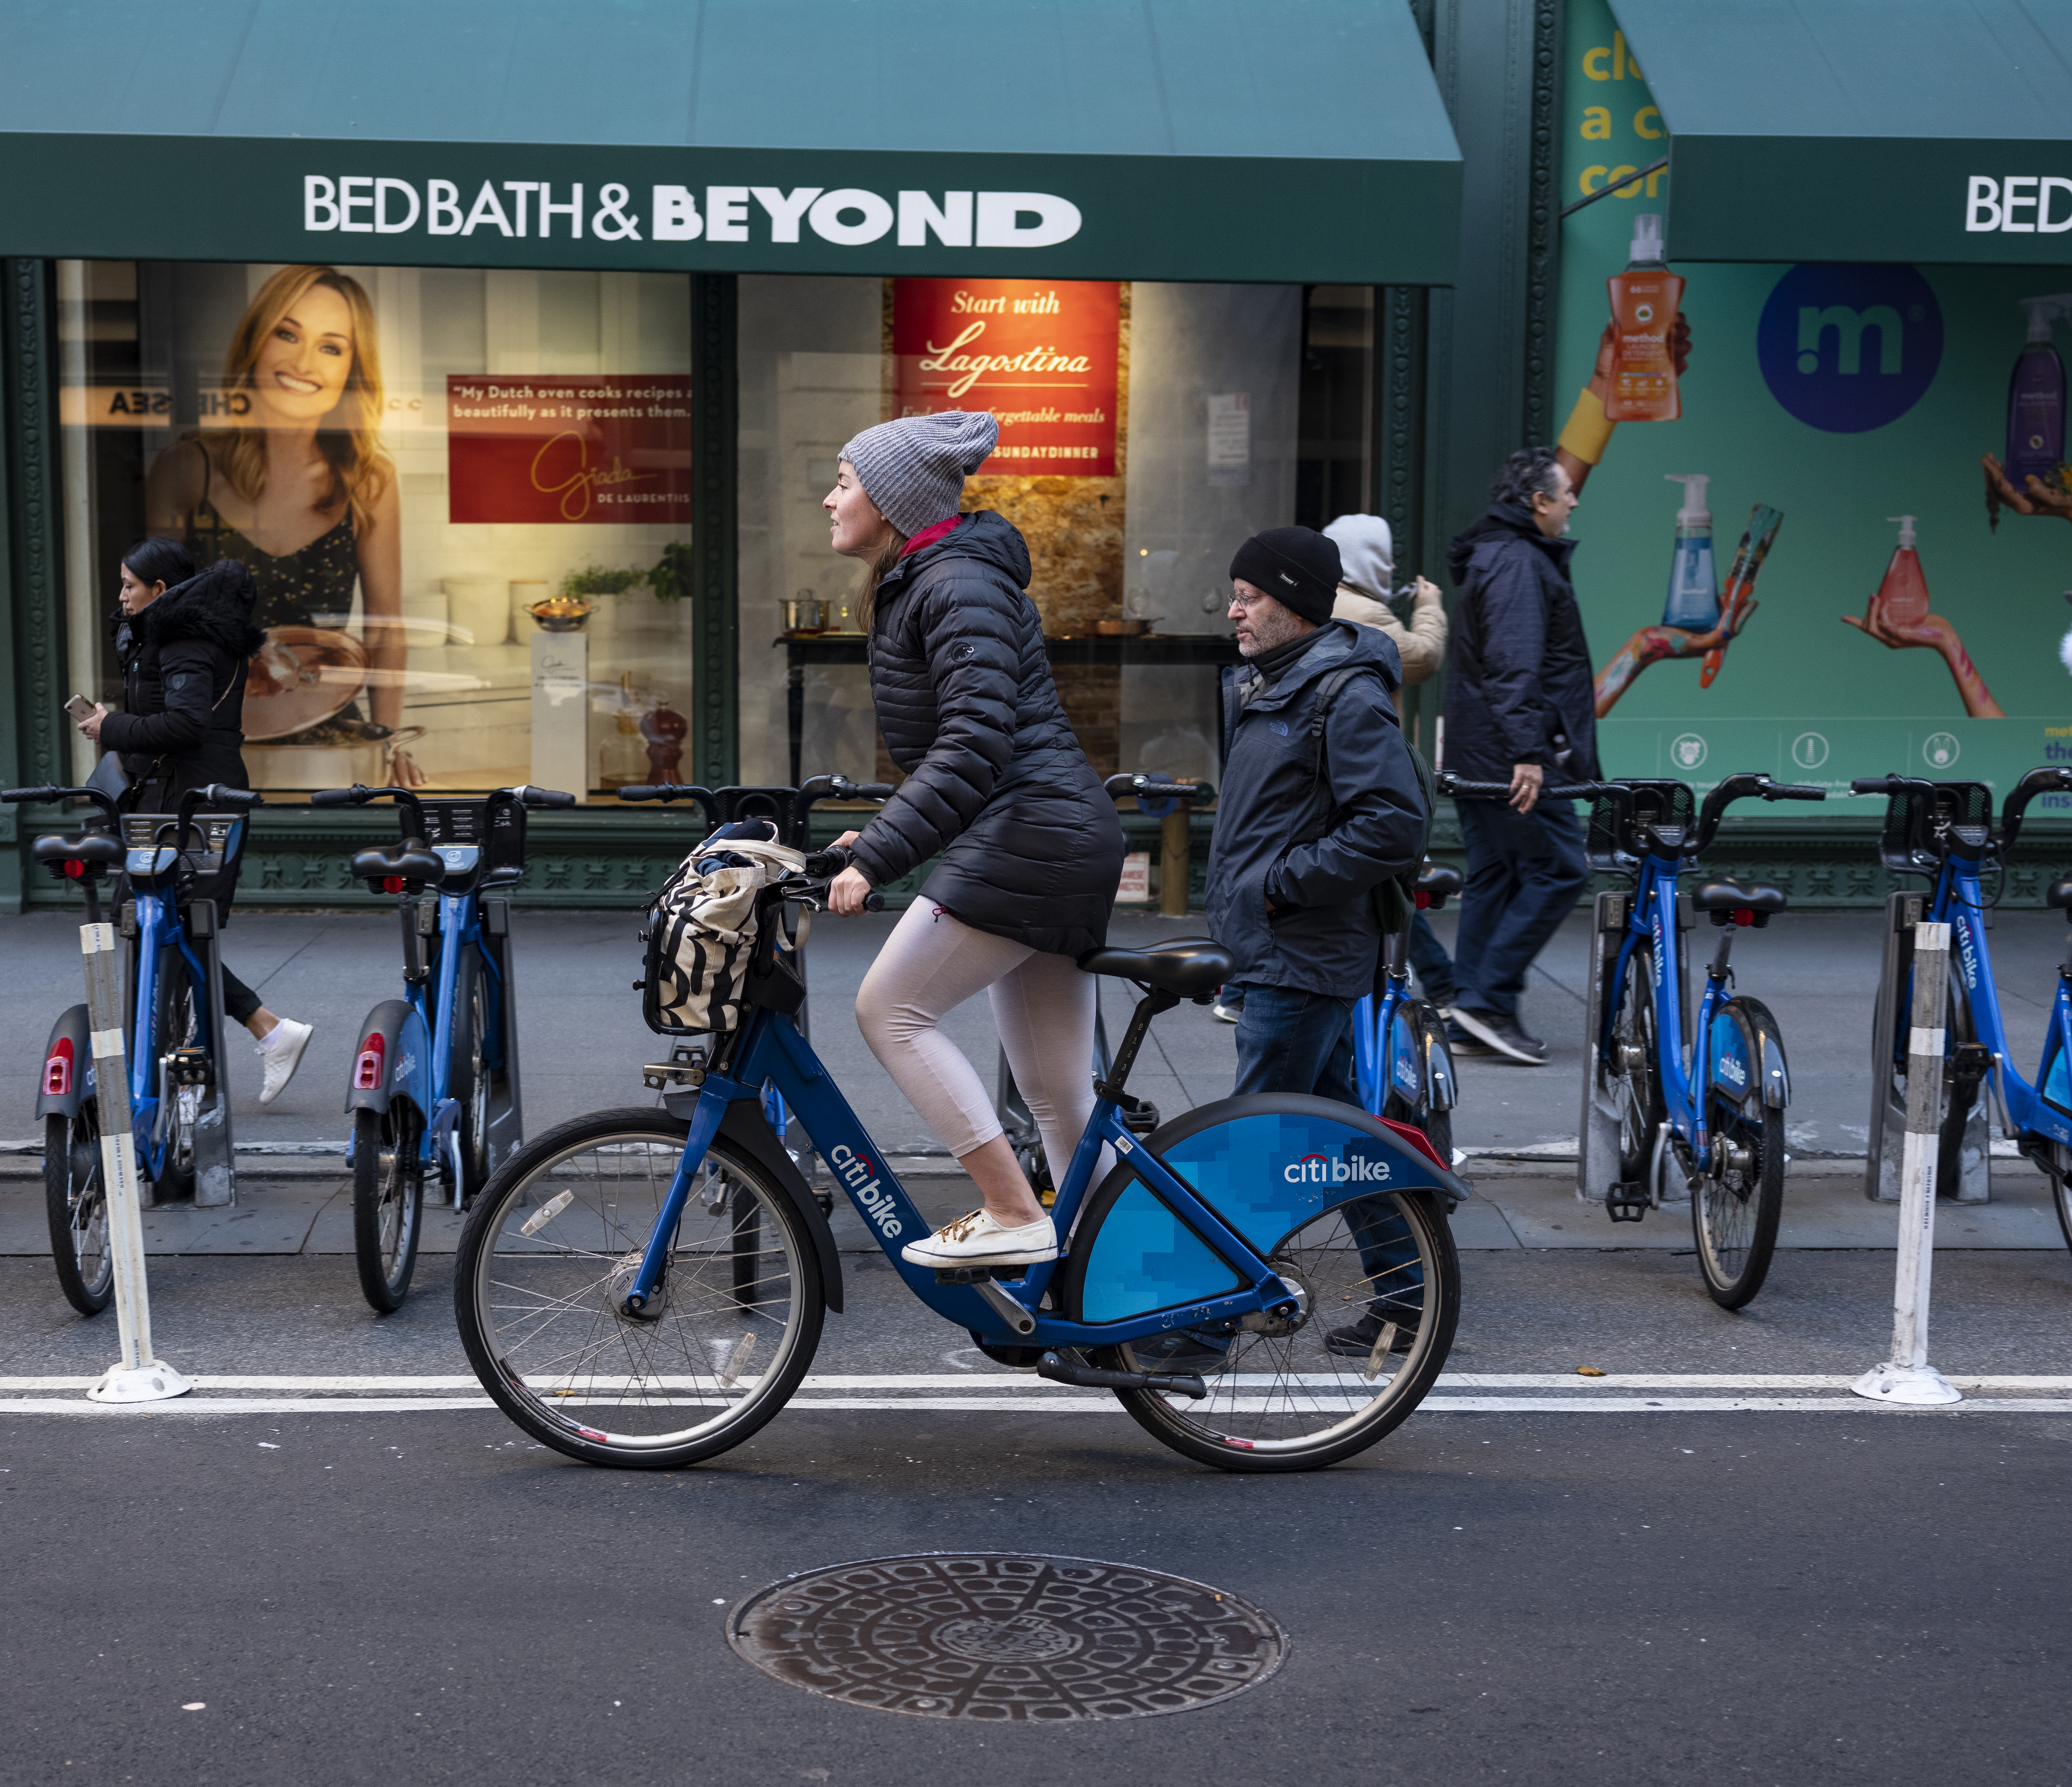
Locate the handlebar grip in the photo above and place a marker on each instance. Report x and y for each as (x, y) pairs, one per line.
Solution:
(874, 791)
(12, 796)
(825, 865)
(543, 797)
(641, 791)
(1877, 785)
(357, 795)
(1794, 790)
(873, 901)
(1474, 791)
(216, 794)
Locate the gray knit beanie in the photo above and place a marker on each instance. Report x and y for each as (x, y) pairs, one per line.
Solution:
(914, 469)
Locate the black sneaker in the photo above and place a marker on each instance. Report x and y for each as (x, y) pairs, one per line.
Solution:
(1502, 1034)
(1356, 1339)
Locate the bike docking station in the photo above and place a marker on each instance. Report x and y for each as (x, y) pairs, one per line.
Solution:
(1907, 1376)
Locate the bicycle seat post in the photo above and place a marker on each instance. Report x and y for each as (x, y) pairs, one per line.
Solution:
(1149, 1007)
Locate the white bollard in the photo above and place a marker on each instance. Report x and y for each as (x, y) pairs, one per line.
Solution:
(1908, 1377)
(139, 1376)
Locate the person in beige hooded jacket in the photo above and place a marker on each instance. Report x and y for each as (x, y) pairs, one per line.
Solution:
(1366, 549)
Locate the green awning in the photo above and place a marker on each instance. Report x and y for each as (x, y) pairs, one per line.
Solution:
(1164, 139)
(1901, 130)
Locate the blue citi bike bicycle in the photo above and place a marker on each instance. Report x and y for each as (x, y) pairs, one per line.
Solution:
(645, 1287)
(1678, 1102)
(1944, 833)
(434, 1089)
(172, 866)
(1400, 1056)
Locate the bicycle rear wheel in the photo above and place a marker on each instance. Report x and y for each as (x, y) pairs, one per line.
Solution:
(77, 1200)
(1735, 1207)
(544, 1264)
(1300, 1395)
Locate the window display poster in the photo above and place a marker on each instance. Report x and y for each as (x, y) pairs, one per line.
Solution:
(581, 449)
(1041, 355)
(1909, 613)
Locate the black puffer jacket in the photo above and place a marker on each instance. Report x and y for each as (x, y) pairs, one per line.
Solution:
(1031, 847)
(184, 661)
(1520, 679)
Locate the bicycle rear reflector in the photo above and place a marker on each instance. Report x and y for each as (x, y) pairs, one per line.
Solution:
(367, 1070)
(57, 1070)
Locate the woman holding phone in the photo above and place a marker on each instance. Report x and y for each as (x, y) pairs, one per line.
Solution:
(184, 642)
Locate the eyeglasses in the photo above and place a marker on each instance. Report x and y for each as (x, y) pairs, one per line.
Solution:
(1238, 599)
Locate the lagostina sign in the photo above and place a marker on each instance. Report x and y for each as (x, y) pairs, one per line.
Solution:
(1041, 355)
(588, 449)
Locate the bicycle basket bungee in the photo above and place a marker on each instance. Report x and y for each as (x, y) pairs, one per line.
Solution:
(1620, 816)
(702, 930)
(1907, 844)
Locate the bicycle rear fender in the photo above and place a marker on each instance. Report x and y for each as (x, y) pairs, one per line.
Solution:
(1266, 1164)
(393, 1058)
(744, 1127)
(67, 1060)
(1748, 1065)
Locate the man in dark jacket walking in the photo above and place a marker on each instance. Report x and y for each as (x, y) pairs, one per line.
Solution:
(1520, 708)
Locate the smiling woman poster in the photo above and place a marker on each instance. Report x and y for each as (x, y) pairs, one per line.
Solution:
(297, 488)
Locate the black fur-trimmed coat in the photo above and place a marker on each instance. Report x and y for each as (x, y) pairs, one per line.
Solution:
(184, 661)
(995, 781)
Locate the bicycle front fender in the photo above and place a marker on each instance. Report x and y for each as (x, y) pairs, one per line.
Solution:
(395, 1035)
(745, 1128)
(67, 1059)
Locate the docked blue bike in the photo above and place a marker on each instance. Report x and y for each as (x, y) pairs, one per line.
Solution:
(1943, 832)
(1400, 1055)
(173, 867)
(1678, 1102)
(434, 1085)
(646, 1287)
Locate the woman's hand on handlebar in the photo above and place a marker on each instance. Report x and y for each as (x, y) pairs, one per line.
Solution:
(845, 840)
(847, 892)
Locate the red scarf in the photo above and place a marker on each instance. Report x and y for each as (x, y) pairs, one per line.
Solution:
(927, 536)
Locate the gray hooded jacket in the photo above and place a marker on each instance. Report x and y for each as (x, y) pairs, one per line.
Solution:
(1311, 830)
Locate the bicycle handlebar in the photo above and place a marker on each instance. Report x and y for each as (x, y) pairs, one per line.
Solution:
(359, 794)
(2049, 779)
(822, 866)
(1891, 785)
(1748, 785)
(1151, 787)
(106, 802)
(1451, 784)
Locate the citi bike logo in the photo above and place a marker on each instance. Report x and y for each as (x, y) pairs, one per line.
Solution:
(1315, 1169)
(1966, 959)
(1731, 1068)
(860, 1177)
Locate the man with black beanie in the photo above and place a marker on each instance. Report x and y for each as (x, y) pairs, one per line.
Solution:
(1319, 802)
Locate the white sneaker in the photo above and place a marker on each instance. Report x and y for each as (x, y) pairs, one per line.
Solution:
(281, 1053)
(978, 1240)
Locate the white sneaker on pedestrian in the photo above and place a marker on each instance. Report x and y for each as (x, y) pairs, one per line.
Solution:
(976, 1239)
(281, 1052)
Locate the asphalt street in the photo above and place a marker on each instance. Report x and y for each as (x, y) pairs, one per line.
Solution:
(1704, 1557)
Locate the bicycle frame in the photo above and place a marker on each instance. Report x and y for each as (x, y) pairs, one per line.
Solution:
(158, 927)
(1385, 1054)
(770, 1050)
(1652, 915)
(1959, 901)
(434, 1000)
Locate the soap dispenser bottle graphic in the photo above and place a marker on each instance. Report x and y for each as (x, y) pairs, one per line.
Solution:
(1902, 596)
(2036, 396)
(1693, 602)
(1644, 298)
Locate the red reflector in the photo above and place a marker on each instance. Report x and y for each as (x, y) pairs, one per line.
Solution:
(1743, 915)
(392, 884)
(57, 1070)
(367, 1069)
(1424, 899)
(1417, 1139)
(75, 867)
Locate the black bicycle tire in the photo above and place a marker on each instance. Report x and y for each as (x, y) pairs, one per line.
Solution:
(384, 1288)
(174, 1183)
(1437, 1125)
(467, 1072)
(1436, 1332)
(1638, 985)
(1739, 1290)
(483, 1226)
(2061, 1188)
(89, 1297)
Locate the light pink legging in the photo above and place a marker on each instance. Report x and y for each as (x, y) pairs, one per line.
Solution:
(1042, 1004)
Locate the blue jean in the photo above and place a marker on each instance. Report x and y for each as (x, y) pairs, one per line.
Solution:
(1524, 872)
(1428, 957)
(1289, 1041)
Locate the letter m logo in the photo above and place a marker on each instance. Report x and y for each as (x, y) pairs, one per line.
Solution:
(1849, 325)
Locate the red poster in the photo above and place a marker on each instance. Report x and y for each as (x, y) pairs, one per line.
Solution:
(600, 448)
(1040, 354)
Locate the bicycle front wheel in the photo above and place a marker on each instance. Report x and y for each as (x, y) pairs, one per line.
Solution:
(547, 1258)
(76, 1200)
(1378, 1285)
(388, 1201)
(1735, 1207)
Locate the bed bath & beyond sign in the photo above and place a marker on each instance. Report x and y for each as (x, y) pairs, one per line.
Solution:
(367, 204)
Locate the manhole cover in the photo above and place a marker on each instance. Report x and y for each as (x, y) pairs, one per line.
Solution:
(991, 1635)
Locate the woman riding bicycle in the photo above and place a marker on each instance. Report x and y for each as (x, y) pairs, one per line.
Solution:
(184, 642)
(996, 783)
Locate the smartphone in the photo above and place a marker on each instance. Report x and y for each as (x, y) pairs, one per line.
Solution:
(79, 706)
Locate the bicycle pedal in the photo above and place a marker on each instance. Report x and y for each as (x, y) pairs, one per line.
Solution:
(1626, 1203)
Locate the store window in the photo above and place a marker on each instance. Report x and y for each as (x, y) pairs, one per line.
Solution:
(1146, 429)
(464, 497)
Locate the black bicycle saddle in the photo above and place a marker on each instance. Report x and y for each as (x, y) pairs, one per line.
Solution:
(90, 846)
(1731, 896)
(1188, 966)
